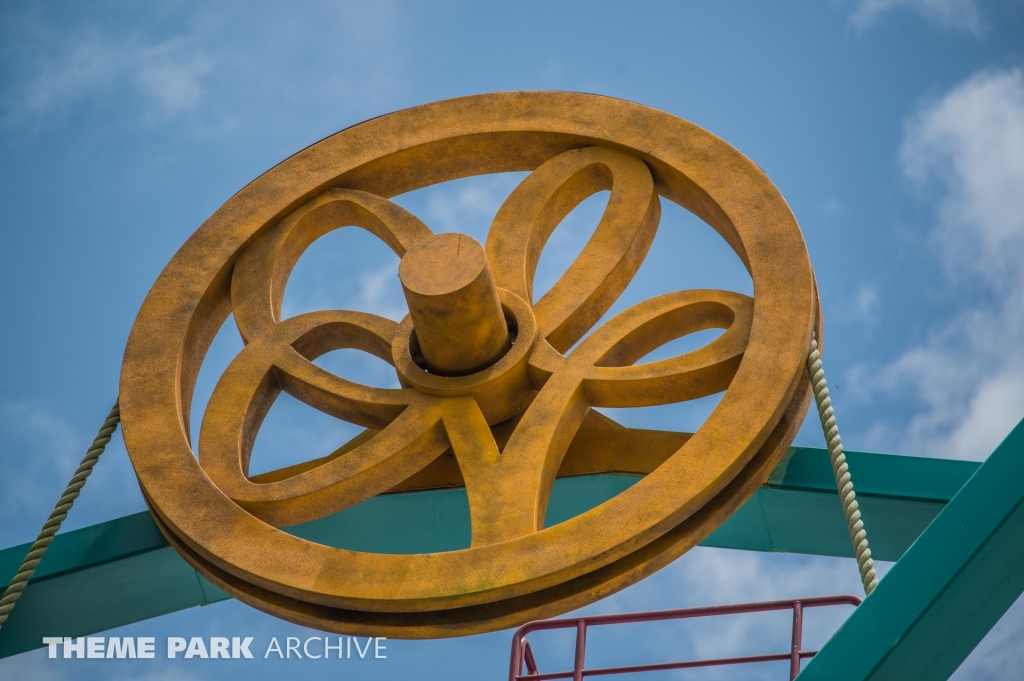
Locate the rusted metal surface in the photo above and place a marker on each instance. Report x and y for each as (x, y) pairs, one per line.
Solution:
(522, 653)
(505, 430)
(458, 323)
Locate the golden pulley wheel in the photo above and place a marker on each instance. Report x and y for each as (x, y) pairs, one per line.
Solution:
(496, 393)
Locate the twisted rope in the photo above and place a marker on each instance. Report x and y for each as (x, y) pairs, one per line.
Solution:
(60, 512)
(858, 535)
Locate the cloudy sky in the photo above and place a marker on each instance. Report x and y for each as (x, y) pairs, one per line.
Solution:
(894, 128)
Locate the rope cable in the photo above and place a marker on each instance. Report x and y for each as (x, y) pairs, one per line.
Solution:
(844, 484)
(60, 512)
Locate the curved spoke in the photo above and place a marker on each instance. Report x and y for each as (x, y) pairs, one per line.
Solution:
(608, 261)
(262, 271)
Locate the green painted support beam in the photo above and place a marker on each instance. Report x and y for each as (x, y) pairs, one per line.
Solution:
(798, 510)
(123, 571)
(952, 586)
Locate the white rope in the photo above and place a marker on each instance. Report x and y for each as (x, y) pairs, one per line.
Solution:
(858, 535)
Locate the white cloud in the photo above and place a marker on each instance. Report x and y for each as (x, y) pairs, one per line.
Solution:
(831, 207)
(709, 576)
(380, 293)
(972, 140)
(863, 308)
(958, 14)
(469, 205)
(41, 448)
(998, 655)
(170, 74)
(968, 376)
(85, 66)
(197, 64)
(166, 76)
(31, 666)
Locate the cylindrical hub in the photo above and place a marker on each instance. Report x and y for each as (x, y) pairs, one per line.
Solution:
(454, 304)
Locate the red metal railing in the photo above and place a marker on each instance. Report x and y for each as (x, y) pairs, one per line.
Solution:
(522, 653)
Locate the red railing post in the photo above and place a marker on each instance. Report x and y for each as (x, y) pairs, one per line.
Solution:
(516, 664)
(521, 652)
(531, 663)
(798, 628)
(581, 650)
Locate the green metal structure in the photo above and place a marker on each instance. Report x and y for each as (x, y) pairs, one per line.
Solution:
(955, 528)
(950, 587)
(123, 570)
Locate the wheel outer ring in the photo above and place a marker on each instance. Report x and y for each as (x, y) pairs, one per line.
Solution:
(450, 139)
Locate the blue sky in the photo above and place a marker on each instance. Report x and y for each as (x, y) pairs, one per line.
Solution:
(894, 128)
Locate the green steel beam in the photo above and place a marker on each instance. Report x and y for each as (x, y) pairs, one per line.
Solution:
(123, 571)
(942, 597)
